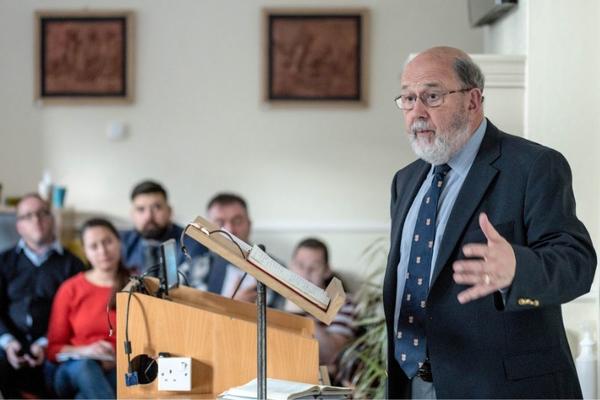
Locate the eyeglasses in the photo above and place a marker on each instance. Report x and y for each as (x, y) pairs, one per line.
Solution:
(40, 214)
(430, 98)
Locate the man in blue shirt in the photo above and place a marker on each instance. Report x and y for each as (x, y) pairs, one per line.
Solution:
(485, 247)
(151, 215)
(213, 273)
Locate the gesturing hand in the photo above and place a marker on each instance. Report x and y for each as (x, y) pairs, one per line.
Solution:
(492, 269)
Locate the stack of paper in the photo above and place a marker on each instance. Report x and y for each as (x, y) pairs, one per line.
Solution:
(65, 356)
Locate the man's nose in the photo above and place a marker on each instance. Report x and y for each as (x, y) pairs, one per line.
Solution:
(419, 110)
(149, 214)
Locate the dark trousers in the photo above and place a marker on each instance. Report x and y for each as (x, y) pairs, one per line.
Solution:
(15, 382)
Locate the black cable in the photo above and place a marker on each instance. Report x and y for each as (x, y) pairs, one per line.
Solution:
(184, 249)
(230, 238)
(238, 285)
(241, 252)
(150, 364)
(150, 269)
(187, 254)
(184, 278)
(127, 342)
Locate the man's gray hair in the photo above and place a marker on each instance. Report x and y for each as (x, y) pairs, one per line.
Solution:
(469, 73)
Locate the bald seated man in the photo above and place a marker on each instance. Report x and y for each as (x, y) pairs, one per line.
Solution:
(30, 274)
(485, 247)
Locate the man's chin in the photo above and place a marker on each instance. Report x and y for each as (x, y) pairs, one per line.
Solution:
(430, 154)
(153, 233)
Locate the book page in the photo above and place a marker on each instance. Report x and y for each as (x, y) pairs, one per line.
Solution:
(277, 389)
(309, 290)
(334, 391)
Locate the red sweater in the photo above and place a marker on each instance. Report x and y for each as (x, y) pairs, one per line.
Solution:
(79, 315)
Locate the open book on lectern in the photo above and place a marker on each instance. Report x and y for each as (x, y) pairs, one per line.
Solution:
(322, 304)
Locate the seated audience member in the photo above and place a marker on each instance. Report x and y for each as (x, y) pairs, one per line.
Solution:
(215, 274)
(30, 274)
(80, 324)
(151, 215)
(311, 261)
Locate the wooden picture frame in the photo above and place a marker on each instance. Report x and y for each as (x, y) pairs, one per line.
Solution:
(84, 56)
(315, 55)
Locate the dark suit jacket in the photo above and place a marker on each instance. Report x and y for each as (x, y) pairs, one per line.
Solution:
(133, 247)
(485, 348)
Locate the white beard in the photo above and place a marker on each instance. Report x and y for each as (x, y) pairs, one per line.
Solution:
(445, 144)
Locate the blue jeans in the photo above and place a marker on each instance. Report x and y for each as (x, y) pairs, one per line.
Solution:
(84, 379)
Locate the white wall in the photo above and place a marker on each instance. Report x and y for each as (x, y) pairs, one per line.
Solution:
(509, 34)
(20, 130)
(199, 126)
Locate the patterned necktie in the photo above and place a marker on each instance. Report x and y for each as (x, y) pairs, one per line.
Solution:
(410, 347)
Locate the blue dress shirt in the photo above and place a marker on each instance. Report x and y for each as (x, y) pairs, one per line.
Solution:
(460, 163)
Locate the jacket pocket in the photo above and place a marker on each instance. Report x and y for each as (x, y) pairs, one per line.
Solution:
(539, 363)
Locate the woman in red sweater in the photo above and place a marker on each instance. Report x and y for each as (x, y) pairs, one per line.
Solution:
(82, 313)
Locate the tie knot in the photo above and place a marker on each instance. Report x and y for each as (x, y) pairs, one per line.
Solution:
(441, 169)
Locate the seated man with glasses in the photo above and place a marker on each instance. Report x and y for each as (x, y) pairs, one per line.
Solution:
(30, 274)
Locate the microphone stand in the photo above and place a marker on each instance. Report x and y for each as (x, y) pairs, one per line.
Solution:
(261, 308)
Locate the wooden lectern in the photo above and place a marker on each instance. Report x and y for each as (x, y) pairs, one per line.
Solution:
(219, 334)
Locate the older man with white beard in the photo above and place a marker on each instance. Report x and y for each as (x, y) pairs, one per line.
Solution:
(485, 247)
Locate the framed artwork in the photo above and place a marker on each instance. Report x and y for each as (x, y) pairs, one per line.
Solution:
(314, 55)
(84, 56)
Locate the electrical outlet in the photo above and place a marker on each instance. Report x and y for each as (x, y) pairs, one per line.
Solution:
(175, 373)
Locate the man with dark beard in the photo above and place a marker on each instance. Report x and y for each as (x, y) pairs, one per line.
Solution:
(485, 247)
(151, 215)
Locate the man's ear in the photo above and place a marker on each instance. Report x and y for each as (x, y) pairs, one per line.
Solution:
(475, 99)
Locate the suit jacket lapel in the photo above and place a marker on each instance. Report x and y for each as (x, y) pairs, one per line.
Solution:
(480, 176)
(407, 188)
(216, 274)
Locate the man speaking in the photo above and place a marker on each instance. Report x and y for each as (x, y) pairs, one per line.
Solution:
(485, 247)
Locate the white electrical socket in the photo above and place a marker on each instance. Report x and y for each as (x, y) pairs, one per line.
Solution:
(175, 373)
